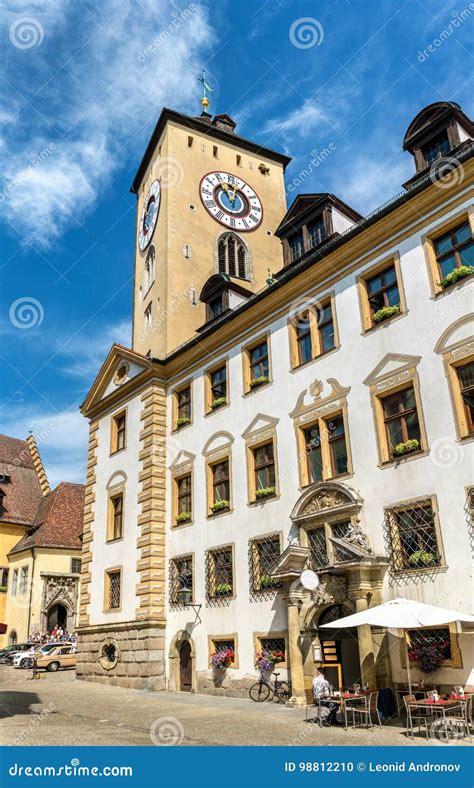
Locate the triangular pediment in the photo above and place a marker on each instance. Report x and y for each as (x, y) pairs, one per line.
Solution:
(391, 364)
(260, 423)
(121, 366)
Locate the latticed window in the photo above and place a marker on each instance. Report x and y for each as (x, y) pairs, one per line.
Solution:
(113, 591)
(219, 575)
(317, 231)
(466, 384)
(413, 538)
(274, 645)
(401, 417)
(454, 249)
(318, 548)
(221, 646)
(429, 648)
(180, 576)
(382, 289)
(232, 256)
(263, 553)
(339, 530)
(76, 566)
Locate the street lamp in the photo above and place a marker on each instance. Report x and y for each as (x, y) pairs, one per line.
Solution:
(185, 596)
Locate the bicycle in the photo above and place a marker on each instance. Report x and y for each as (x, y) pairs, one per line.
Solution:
(264, 688)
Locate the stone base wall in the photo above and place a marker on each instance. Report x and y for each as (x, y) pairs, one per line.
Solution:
(138, 656)
(210, 683)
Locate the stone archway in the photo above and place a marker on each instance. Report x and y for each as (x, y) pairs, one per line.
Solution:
(57, 615)
(182, 663)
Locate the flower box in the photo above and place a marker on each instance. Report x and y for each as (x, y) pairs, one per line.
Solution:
(268, 582)
(405, 448)
(422, 558)
(218, 402)
(266, 660)
(265, 492)
(184, 517)
(220, 506)
(182, 421)
(255, 382)
(457, 274)
(222, 659)
(385, 313)
(223, 589)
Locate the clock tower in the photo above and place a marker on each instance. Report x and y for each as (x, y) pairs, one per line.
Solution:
(208, 202)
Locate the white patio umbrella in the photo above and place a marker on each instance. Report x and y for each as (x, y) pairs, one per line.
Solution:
(402, 614)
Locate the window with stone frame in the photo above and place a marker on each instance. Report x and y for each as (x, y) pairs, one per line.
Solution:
(313, 332)
(113, 590)
(219, 575)
(431, 647)
(184, 498)
(402, 425)
(382, 291)
(119, 431)
(264, 470)
(274, 645)
(4, 570)
(323, 550)
(263, 554)
(454, 249)
(325, 327)
(23, 579)
(116, 512)
(220, 486)
(223, 645)
(465, 375)
(14, 582)
(181, 575)
(325, 438)
(258, 362)
(183, 406)
(216, 388)
(413, 536)
(76, 564)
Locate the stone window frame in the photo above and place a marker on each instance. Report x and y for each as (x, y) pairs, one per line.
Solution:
(213, 639)
(223, 362)
(367, 322)
(23, 579)
(427, 241)
(254, 438)
(181, 467)
(246, 350)
(212, 457)
(283, 634)
(123, 412)
(107, 573)
(211, 597)
(456, 354)
(322, 408)
(456, 654)
(14, 585)
(411, 503)
(113, 492)
(383, 385)
(174, 405)
(312, 307)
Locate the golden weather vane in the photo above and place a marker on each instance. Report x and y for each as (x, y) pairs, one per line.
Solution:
(206, 88)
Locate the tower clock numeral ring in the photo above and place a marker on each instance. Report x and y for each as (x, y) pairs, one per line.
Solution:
(231, 201)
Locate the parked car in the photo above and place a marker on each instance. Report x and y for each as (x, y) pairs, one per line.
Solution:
(8, 658)
(59, 657)
(25, 658)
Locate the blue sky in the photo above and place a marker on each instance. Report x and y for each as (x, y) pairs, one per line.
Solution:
(82, 86)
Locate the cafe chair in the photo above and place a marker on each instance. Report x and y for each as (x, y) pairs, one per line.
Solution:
(461, 718)
(363, 710)
(416, 716)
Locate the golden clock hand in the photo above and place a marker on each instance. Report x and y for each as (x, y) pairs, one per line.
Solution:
(232, 199)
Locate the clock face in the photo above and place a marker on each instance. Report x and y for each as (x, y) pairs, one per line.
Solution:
(151, 206)
(231, 201)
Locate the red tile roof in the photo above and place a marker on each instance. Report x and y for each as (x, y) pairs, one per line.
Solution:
(19, 482)
(58, 522)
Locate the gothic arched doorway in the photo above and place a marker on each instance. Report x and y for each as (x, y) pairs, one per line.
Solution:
(340, 647)
(57, 616)
(182, 663)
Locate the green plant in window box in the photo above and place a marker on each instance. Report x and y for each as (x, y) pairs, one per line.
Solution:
(265, 492)
(183, 517)
(223, 589)
(182, 421)
(422, 558)
(268, 582)
(259, 381)
(385, 313)
(218, 402)
(3, 589)
(457, 274)
(405, 448)
(220, 506)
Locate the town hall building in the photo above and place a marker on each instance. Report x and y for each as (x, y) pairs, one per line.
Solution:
(299, 394)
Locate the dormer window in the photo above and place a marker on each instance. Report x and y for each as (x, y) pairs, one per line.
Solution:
(215, 307)
(296, 242)
(317, 231)
(220, 294)
(436, 149)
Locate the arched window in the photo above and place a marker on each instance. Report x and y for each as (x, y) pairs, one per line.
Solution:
(149, 270)
(232, 256)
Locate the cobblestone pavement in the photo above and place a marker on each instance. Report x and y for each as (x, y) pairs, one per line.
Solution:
(60, 710)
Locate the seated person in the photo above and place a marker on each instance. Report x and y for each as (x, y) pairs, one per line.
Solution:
(321, 688)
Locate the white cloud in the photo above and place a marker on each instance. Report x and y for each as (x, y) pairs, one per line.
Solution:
(302, 120)
(371, 181)
(85, 353)
(93, 88)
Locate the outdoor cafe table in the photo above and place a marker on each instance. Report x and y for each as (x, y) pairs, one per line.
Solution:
(438, 707)
(342, 699)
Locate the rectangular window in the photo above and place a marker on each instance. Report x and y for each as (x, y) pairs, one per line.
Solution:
(14, 582)
(303, 339)
(382, 291)
(183, 406)
(219, 574)
(238, 160)
(296, 243)
(258, 361)
(190, 142)
(325, 447)
(326, 328)
(401, 421)
(119, 430)
(215, 308)
(113, 583)
(275, 646)
(413, 536)
(465, 376)
(337, 445)
(148, 319)
(317, 231)
(312, 439)
(223, 652)
(215, 151)
(220, 486)
(3, 578)
(436, 149)
(184, 505)
(24, 579)
(217, 383)
(313, 332)
(76, 566)
(264, 469)
(116, 508)
(454, 249)
(318, 551)
(181, 576)
(263, 554)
